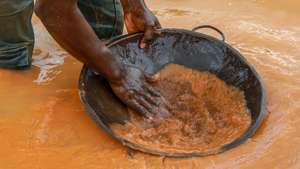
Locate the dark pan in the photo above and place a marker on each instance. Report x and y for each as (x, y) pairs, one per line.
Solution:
(189, 48)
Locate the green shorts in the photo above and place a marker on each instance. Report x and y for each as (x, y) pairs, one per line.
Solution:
(16, 33)
(105, 16)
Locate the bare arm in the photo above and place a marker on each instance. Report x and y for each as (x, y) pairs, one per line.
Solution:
(67, 25)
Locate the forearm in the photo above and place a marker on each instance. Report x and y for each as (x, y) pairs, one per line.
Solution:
(133, 5)
(69, 28)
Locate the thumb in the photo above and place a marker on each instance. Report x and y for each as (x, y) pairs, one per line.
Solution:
(148, 36)
(152, 78)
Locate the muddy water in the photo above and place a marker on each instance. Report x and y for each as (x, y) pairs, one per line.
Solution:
(43, 125)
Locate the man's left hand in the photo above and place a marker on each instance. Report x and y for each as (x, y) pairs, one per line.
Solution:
(142, 20)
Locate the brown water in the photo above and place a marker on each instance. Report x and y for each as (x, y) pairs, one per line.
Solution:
(43, 124)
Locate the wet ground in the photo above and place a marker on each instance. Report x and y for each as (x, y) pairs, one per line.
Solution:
(43, 124)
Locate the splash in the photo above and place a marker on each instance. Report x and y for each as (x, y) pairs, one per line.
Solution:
(47, 62)
(47, 55)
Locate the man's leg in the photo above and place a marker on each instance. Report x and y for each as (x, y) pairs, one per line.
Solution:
(16, 33)
(104, 16)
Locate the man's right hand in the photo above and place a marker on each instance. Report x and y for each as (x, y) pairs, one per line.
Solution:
(129, 83)
(135, 89)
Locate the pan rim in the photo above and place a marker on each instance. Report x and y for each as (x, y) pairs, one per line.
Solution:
(248, 133)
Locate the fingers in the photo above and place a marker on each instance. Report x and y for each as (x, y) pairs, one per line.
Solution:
(139, 108)
(157, 24)
(152, 91)
(144, 103)
(150, 99)
(149, 88)
(162, 113)
(159, 111)
(149, 106)
(150, 33)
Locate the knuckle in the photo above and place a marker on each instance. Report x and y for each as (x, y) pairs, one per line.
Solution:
(130, 94)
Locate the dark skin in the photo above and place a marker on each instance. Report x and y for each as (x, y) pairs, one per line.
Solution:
(67, 25)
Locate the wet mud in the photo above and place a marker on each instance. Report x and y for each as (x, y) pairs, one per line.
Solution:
(205, 114)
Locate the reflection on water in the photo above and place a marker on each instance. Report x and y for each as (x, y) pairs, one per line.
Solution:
(268, 33)
(282, 62)
(45, 126)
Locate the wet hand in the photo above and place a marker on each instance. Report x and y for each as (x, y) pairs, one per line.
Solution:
(135, 90)
(142, 20)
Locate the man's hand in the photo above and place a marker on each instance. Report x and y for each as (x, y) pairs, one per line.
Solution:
(135, 90)
(129, 83)
(138, 18)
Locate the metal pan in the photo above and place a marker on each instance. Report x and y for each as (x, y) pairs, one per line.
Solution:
(189, 48)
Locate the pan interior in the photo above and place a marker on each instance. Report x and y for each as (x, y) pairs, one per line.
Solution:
(193, 50)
